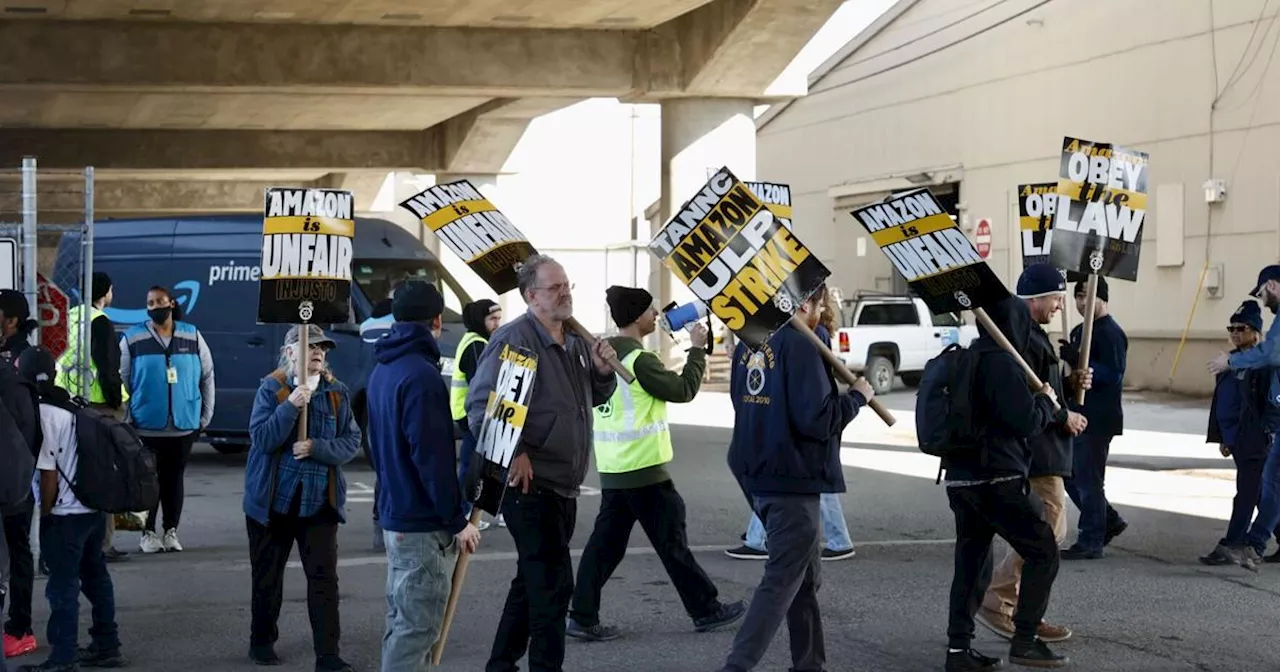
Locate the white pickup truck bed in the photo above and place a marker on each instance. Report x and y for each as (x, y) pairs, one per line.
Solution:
(883, 336)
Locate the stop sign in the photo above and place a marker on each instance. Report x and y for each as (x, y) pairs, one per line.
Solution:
(982, 239)
(52, 307)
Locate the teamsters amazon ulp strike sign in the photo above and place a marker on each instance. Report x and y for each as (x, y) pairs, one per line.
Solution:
(928, 249)
(1102, 201)
(474, 229)
(503, 424)
(739, 258)
(306, 256)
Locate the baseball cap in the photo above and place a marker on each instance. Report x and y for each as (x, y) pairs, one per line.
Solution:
(1271, 272)
(314, 335)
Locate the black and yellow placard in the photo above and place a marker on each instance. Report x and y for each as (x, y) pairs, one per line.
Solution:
(474, 229)
(500, 431)
(1102, 202)
(776, 197)
(738, 258)
(306, 256)
(923, 242)
(1036, 204)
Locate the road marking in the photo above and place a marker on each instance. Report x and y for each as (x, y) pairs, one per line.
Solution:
(363, 494)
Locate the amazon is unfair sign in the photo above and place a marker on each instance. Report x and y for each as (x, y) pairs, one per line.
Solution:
(306, 256)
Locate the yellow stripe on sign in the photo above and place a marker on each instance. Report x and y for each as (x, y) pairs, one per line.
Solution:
(1033, 223)
(778, 210)
(451, 213)
(517, 412)
(329, 225)
(1134, 200)
(914, 229)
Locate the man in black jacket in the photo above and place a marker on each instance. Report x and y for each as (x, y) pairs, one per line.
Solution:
(1043, 289)
(21, 404)
(1242, 421)
(989, 495)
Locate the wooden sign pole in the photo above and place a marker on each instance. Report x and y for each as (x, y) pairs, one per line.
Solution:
(1086, 331)
(455, 591)
(990, 326)
(841, 370)
(300, 376)
(576, 327)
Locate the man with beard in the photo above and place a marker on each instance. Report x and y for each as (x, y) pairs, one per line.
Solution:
(1042, 288)
(1265, 356)
(540, 505)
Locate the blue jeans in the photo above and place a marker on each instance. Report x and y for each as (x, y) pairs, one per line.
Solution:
(72, 548)
(1088, 491)
(834, 528)
(464, 462)
(1269, 505)
(419, 576)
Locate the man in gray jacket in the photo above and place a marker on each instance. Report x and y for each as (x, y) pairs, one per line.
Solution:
(540, 506)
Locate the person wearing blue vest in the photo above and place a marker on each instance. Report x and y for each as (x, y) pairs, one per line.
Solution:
(169, 373)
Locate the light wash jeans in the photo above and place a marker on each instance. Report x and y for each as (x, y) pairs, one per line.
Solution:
(834, 528)
(419, 575)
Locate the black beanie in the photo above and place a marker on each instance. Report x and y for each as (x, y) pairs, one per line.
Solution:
(627, 304)
(101, 285)
(417, 302)
(1082, 288)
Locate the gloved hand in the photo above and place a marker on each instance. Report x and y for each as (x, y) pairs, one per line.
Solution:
(1069, 353)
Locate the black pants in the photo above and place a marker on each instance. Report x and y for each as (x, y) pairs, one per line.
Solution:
(661, 513)
(1248, 492)
(1007, 509)
(533, 618)
(22, 571)
(269, 548)
(172, 453)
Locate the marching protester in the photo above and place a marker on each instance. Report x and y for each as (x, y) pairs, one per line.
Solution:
(989, 494)
(71, 536)
(1241, 420)
(1099, 522)
(784, 453)
(105, 389)
(420, 503)
(480, 318)
(837, 544)
(16, 325)
(1263, 357)
(550, 464)
(1043, 289)
(20, 438)
(168, 370)
(295, 493)
(632, 448)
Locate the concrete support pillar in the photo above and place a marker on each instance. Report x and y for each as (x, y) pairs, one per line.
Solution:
(699, 136)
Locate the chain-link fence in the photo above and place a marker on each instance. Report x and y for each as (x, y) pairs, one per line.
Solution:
(55, 265)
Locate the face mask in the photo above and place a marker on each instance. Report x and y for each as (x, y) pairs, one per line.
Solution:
(160, 315)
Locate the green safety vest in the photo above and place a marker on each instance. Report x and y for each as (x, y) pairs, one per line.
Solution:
(458, 386)
(69, 363)
(631, 431)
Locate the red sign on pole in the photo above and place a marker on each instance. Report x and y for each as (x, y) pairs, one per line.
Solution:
(982, 238)
(52, 307)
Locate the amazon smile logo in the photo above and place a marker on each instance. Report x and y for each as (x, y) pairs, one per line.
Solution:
(185, 294)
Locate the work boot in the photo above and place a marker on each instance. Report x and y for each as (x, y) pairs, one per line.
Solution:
(264, 654)
(592, 633)
(1049, 633)
(93, 657)
(971, 661)
(725, 614)
(1034, 653)
(1113, 532)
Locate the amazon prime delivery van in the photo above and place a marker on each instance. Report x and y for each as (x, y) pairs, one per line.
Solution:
(211, 264)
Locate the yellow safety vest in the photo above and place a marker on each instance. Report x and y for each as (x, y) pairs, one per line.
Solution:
(631, 431)
(458, 385)
(69, 362)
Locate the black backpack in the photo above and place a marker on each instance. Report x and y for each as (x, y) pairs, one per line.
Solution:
(20, 436)
(945, 424)
(115, 473)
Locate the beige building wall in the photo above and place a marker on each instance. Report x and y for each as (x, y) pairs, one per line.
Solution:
(990, 108)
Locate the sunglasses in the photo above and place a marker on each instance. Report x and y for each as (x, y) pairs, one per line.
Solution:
(1237, 329)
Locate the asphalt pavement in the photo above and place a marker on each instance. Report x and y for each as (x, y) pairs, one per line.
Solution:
(1148, 606)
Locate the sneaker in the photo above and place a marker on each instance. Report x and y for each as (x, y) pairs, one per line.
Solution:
(1035, 654)
(483, 525)
(333, 663)
(745, 552)
(171, 544)
(48, 666)
(1217, 557)
(1051, 634)
(725, 615)
(1078, 552)
(264, 655)
(150, 543)
(114, 554)
(995, 622)
(1113, 532)
(501, 522)
(829, 554)
(19, 646)
(971, 661)
(91, 657)
(592, 633)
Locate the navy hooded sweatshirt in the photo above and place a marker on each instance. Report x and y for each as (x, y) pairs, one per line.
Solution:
(789, 416)
(411, 435)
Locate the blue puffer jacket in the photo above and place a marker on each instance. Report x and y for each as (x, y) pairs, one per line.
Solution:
(273, 430)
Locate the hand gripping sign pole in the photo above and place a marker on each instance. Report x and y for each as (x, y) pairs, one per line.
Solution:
(741, 260)
(939, 263)
(486, 240)
(1097, 225)
(495, 447)
(306, 264)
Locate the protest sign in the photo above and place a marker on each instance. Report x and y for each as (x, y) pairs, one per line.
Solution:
(776, 197)
(1036, 205)
(1102, 203)
(923, 242)
(741, 261)
(473, 229)
(306, 256)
